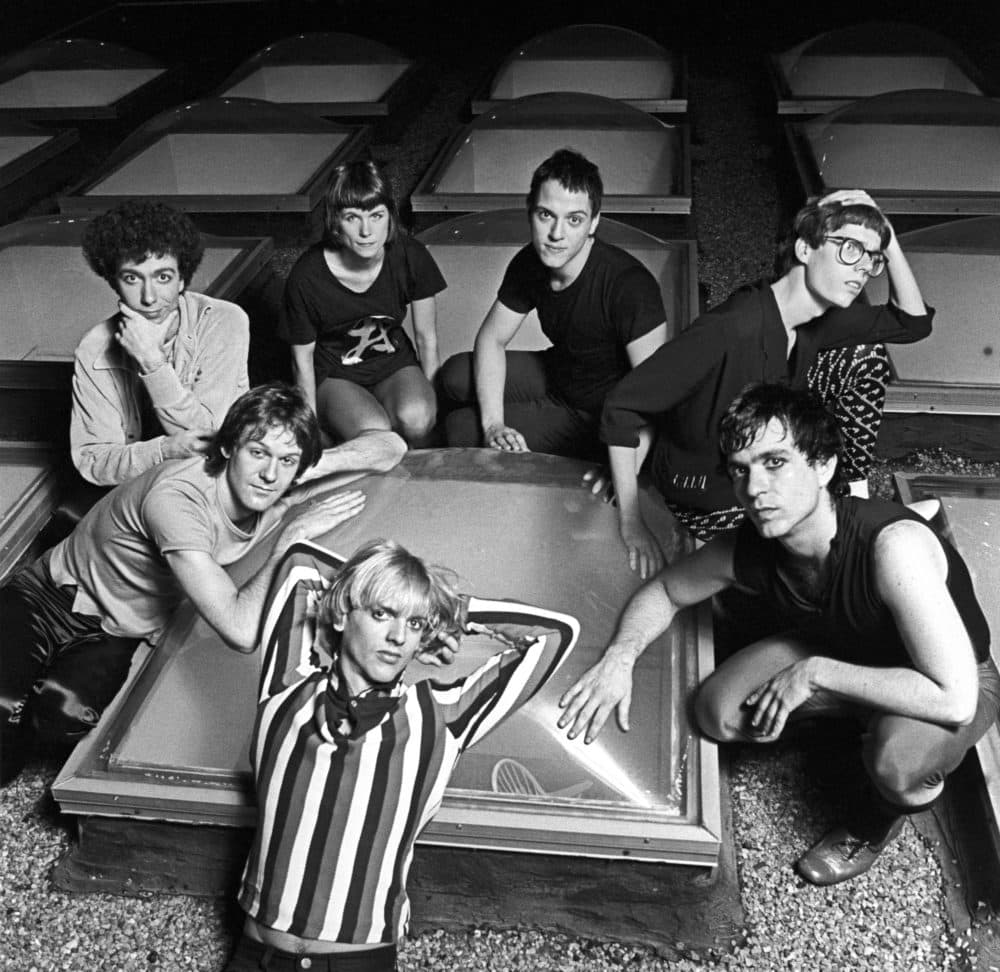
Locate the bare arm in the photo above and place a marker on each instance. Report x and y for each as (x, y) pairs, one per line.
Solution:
(425, 331)
(490, 363)
(374, 451)
(303, 373)
(641, 348)
(941, 686)
(235, 612)
(642, 548)
(651, 610)
(911, 573)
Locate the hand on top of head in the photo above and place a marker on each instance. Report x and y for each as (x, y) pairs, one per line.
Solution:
(850, 197)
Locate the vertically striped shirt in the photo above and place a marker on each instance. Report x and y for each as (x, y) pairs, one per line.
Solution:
(338, 816)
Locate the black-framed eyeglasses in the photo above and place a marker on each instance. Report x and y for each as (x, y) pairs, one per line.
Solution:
(850, 252)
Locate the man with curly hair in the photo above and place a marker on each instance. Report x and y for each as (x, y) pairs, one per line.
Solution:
(154, 380)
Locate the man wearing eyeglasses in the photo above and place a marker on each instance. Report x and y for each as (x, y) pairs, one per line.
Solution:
(804, 329)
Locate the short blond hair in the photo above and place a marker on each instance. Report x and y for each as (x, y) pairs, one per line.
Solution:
(383, 573)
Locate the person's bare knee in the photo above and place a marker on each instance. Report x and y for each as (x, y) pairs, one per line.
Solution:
(414, 419)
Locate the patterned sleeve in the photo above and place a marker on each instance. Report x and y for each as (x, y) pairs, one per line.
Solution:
(292, 644)
(539, 642)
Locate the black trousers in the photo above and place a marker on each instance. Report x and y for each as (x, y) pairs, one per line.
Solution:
(548, 424)
(58, 670)
(252, 956)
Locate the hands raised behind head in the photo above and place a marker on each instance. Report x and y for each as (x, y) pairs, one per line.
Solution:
(187, 442)
(504, 438)
(605, 686)
(441, 651)
(856, 197)
(141, 338)
(850, 197)
(314, 517)
(775, 700)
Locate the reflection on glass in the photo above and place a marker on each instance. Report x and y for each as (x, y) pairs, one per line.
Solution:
(518, 527)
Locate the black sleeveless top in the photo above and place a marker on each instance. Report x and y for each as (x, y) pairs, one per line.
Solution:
(848, 616)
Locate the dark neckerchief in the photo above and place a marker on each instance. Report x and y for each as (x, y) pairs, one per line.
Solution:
(352, 716)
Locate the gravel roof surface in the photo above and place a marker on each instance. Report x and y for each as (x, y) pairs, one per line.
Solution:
(893, 918)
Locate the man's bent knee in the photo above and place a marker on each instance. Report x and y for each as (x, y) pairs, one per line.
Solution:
(901, 776)
(711, 716)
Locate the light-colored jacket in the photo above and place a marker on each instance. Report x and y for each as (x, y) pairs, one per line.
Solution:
(205, 373)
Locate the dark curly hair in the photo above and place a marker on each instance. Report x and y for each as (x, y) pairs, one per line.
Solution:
(815, 220)
(806, 419)
(135, 230)
(258, 410)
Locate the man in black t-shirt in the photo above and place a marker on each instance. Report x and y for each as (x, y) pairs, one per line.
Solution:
(875, 619)
(601, 309)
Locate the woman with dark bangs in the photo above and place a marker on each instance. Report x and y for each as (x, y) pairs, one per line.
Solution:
(343, 311)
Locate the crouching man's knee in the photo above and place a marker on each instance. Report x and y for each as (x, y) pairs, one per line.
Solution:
(712, 712)
(900, 775)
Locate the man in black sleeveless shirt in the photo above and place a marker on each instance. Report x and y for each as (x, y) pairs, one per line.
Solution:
(875, 618)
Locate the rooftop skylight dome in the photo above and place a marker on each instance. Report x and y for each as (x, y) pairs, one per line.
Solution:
(833, 68)
(595, 59)
(32, 162)
(76, 79)
(330, 74)
(919, 151)
(957, 368)
(222, 155)
(488, 164)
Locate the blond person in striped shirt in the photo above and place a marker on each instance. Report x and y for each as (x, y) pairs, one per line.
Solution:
(350, 762)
